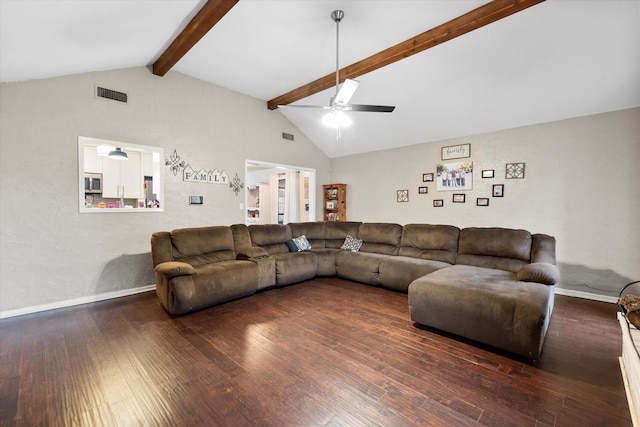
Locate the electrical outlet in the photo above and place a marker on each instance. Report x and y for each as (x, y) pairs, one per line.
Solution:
(241, 206)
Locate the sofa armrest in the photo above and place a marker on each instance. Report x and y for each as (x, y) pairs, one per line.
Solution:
(252, 253)
(540, 272)
(174, 268)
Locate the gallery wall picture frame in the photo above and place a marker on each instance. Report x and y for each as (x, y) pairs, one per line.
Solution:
(451, 152)
(458, 198)
(438, 203)
(423, 190)
(514, 171)
(482, 201)
(455, 176)
(402, 196)
(498, 190)
(488, 173)
(427, 177)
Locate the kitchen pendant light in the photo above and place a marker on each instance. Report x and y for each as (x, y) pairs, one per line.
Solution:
(118, 154)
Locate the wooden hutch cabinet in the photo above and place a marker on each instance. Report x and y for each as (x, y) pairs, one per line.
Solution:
(335, 202)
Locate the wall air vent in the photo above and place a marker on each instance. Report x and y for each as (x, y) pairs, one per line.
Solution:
(288, 136)
(114, 95)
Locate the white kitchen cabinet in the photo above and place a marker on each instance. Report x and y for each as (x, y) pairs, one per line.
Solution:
(92, 162)
(122, 175)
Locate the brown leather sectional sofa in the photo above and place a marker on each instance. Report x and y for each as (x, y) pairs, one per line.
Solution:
(492, 285)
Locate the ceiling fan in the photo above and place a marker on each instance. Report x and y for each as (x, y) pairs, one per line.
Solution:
(340, 102)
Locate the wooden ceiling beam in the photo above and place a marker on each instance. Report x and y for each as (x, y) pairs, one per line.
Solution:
(477, 18)
(205, 19)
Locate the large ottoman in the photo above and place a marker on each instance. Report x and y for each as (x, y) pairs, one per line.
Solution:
(486, 305)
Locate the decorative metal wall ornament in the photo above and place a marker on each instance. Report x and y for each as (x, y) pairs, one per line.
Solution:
(236, 185)
(174, 163)
(515, 171)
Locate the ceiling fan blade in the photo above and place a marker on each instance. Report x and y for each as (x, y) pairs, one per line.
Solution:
(347, 89)
(371, 108)
(323, 107)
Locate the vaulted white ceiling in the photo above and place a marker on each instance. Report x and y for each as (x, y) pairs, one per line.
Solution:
(555, 60)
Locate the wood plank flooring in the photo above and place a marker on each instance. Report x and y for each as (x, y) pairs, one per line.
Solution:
(326, 352)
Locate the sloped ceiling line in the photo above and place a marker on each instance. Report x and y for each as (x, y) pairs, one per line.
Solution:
(477, 18)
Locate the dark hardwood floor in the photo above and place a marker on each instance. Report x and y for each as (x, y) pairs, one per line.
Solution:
(326, 352)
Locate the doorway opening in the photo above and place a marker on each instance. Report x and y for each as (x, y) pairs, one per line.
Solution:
(279, 194)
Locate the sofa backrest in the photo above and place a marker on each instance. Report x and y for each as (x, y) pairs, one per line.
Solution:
(161, 247)
(313, 231)
(271, 237)
(335, 232)
(501, 248)
(434, 242)
(202, 245)
(380, 238)
(543, 248)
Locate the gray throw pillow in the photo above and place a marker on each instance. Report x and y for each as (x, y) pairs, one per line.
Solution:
(351, 244)
(302, 243)
(292, 246)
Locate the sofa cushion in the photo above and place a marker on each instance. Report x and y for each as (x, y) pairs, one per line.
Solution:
(351, 244)
(498, 242)
(398, 272)
(326, 261)
(360, 267)
(501, 248)
(271, 237)
(314, 231)
(223, 281)
(293, 267)
(203, 245)
(434, 242)
(336, 232)
(381, 238)
(486, 305)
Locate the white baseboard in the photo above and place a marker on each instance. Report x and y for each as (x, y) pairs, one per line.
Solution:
(133, 291)
(586, 295)
(75, 301)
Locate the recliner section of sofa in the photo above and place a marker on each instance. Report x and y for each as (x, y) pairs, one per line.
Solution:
(379, 241)
(198, 267)
(473, 282)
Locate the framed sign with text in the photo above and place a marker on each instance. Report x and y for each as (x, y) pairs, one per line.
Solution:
(456, 151)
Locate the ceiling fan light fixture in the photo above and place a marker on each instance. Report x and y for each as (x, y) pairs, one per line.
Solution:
(336, 119)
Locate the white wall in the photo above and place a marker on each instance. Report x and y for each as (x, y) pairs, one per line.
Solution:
(49, 252)
(581, 182)
(581, 185)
